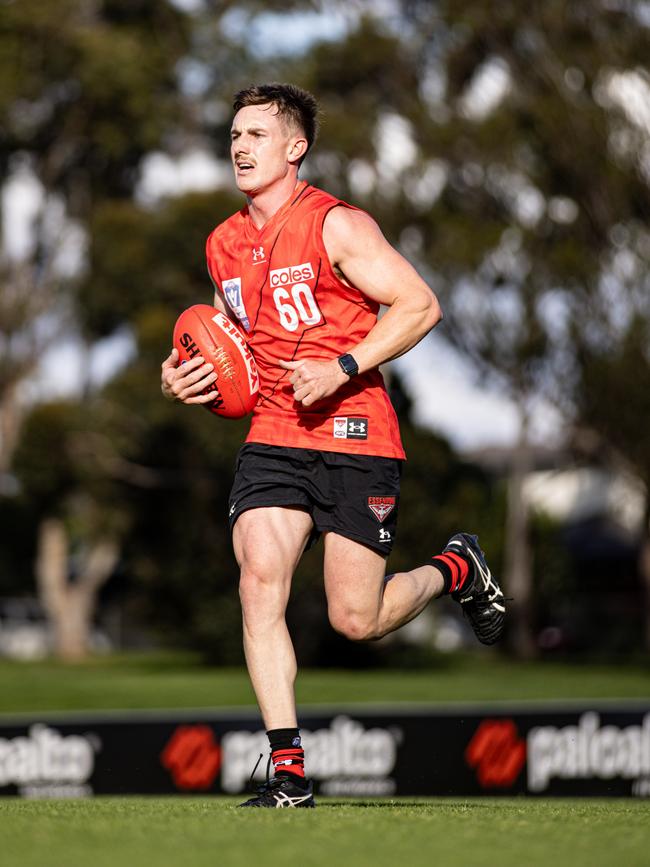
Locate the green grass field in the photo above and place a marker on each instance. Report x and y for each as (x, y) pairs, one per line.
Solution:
(176, 681)
(192, 832)
(185, 832)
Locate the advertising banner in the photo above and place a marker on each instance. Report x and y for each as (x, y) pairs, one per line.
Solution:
(541, 750)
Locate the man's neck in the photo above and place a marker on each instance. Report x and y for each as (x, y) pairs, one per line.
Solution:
(265, 204)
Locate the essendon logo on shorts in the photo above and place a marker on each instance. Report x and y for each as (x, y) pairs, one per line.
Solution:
(381, 507)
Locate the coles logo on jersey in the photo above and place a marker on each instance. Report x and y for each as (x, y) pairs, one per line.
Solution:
(232, 292)
(381, 507)
(291, 274)
(350, 428)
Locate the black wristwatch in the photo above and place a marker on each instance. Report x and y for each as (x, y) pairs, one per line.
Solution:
(348, 364)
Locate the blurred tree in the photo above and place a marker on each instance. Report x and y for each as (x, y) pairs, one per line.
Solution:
(135, 475)
(614, 393)
(85, 92)
(80, 521)
(174, 463)
(505, 150)
(500, 148)
(142, 260)
(545, 176)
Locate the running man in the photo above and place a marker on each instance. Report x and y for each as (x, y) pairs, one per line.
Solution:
(304, 275)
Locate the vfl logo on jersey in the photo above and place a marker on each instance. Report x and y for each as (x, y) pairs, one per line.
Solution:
(350, 428)
(232, 291)
(258, 255)
(381, 507)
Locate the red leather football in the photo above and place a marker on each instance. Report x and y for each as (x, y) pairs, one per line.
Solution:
(204, 330)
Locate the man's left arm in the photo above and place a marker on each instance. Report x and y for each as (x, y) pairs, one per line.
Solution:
(361, 256)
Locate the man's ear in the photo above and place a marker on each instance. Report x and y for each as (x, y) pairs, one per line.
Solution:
(297, 149)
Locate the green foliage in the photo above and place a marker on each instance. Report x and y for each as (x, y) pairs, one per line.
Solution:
(552, 135)
(440, 495)
(99, 88)
(17, 554)
(615, 392)
(143, 259)
(360, 77)
(79, 480)
(45, 482)
(87, 91)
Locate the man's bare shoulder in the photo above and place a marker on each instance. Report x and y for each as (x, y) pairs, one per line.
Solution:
(347, 229)
(341, 221)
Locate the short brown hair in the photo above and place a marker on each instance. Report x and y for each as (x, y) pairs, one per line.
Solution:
(295, 105)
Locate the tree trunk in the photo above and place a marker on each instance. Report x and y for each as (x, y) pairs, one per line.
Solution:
(518, 566)
(644, 566)
(70, 606)
(644, 569)
(10, 418)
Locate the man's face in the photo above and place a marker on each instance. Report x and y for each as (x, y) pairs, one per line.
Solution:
(261, 147)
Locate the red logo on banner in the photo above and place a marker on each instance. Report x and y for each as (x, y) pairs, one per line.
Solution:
(193, 757)
(497, 752)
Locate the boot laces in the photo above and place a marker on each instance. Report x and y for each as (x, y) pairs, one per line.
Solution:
(269, 784)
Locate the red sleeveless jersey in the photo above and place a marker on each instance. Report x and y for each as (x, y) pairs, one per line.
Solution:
(279, 284)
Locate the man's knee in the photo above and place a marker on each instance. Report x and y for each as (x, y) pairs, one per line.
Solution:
(260, 587)
(354, 625)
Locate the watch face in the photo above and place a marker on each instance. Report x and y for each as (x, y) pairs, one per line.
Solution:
(349, 365)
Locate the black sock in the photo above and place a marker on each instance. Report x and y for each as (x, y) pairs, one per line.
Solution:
(287, 754)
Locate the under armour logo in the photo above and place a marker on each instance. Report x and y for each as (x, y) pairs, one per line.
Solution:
(384, 535)
(258, 254)
(232, 510)
(351, 428)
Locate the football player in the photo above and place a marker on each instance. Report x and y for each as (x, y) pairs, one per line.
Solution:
(304, 275)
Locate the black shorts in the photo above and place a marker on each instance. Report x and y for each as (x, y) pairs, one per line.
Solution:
(356, 496)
